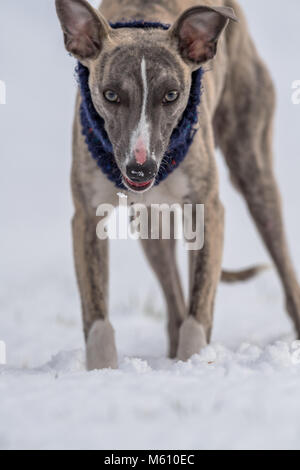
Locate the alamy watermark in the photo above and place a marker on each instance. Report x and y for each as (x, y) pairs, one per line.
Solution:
(2, 353)
(157, 221)
(2, 92)
(296, 92)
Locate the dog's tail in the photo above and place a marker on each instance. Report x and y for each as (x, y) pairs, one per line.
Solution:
(231, 277)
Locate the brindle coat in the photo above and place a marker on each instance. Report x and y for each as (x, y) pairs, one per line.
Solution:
(236, 115)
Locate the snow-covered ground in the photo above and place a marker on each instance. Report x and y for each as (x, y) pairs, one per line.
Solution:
(242, 392)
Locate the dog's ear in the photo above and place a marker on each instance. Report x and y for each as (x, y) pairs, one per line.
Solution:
(197, 32)
(84, 28)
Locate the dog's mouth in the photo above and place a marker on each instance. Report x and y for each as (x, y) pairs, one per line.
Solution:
(138, 187)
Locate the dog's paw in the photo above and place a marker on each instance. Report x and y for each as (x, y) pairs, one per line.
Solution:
(101, 350)
(192, 339)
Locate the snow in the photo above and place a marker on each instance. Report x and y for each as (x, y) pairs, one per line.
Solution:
(239, 393)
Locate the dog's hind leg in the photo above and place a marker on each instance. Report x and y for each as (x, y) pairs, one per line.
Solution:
(161, 255)
(243, 127)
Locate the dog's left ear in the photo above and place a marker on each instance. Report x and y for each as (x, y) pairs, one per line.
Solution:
(198, 30)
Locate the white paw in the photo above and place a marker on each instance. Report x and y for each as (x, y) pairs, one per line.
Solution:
(192, 339)
(101, 350)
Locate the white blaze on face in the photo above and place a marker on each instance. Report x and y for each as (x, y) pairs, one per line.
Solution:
(140, 140)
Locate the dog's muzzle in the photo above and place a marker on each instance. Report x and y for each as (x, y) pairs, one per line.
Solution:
(139, 177)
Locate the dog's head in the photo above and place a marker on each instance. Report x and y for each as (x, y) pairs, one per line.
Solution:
(140, 79)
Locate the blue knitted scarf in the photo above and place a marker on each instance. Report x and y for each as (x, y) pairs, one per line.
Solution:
(99, 145)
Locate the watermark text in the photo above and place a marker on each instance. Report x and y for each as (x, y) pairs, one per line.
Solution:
(2, 353)
(2, 92)
(157, 221)
(296, 92)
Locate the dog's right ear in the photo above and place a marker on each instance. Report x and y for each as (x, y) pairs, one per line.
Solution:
(83, 26)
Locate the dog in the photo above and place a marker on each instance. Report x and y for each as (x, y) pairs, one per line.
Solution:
(139, 81)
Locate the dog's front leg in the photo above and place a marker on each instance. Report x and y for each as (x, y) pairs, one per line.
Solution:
(91, 260)
(205, 270)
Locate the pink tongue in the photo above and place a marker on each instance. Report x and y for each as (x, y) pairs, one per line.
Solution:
(140, 151)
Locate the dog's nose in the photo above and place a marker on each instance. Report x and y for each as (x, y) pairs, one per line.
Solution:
(141, 173)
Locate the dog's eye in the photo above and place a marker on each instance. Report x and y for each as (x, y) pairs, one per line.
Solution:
(171, 97)
(111, 96)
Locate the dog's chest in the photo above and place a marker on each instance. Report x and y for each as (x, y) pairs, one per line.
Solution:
(174, 190)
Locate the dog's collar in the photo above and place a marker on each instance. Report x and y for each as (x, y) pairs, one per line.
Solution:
(97, 140)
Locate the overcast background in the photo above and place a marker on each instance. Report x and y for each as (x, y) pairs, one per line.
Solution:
(39, 304)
